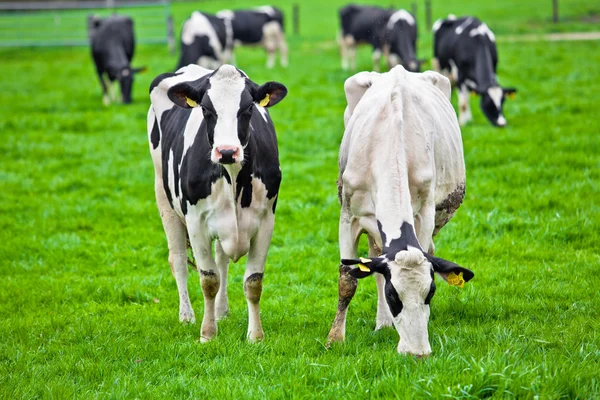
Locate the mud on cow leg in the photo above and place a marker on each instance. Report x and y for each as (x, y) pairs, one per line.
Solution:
(346, 289)
(210, 286)
(253, 291)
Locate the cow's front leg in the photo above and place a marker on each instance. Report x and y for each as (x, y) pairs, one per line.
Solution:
(376, 59)
(222, 260)
(346, 284)
(253, 277)
(209, 277)
(384, 317)
(464, 111)
(176, 239)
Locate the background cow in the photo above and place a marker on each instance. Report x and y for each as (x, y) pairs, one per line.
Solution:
(217, 176)
(112, 42)
(402, 177)
(465, 48)
(205, 41)
(393, 33)
(260, 26)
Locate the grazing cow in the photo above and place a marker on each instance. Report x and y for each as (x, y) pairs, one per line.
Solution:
(217, 176)
(113, 43)
(260, 26)
(402, 177)
(393, 33)
(205, 41)
(465, 49)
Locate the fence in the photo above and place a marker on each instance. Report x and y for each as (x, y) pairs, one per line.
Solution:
(64, 23)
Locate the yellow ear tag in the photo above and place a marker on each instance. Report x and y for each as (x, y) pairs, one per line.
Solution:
(191, 102)
(456, 280)
(364, 268)
(512, 95)
(265, 101)
(365, 260)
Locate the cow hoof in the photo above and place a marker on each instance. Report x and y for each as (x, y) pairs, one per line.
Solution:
(256, 337)
(333, 337)
(205, 339)
(222, 314)
(187, 317)
(383, 324)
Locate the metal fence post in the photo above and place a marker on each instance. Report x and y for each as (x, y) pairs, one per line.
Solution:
(555, 11)
(428, 14)
(296, 18)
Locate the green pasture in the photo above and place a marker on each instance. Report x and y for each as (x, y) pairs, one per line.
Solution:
(88, 306)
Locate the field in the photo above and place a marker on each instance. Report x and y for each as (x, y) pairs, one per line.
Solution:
(88, 305)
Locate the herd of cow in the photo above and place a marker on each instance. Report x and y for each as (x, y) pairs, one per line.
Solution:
(401, 164)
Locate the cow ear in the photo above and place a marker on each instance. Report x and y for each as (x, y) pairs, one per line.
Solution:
(184, 95)
(366, 266)
(269, 94)
(510, 92)
(452, 273)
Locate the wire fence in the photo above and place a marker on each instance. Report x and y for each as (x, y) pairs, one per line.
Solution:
(65, 23)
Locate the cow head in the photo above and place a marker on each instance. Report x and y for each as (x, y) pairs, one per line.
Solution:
(125, 78)
(492, 101)
(401, 41)
(409, 288)
(227, 98)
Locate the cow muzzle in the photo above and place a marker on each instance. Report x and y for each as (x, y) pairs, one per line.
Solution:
(228, 154)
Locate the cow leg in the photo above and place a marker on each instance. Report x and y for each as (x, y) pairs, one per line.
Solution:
(223, 265)
(253, 277)
(384, 317)
(176, 239)
(343, 52)
(346, 284)
(425, 225)
(376, 59)
(283, 50)
(351, 44)
(209, 277)
(270, 33)
(105, 98)
(464, 111)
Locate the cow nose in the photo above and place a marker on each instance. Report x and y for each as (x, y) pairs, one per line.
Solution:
(227, 154)
(501, 122)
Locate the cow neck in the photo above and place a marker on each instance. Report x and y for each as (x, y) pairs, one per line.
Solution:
(485, 76)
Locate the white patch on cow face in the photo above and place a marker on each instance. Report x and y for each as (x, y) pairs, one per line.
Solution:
(496, 94)
(263, 112)
(199, 25)
(501, 121)
(459, 29)
(411, 278)
(398, 15)
(225, 93)
(483, 30)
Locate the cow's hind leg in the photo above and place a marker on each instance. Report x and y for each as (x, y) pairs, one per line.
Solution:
(346, 284)
(384, 317)
(176, 238)
(464, 110)
(223, 265)
(209, 277)
(253, 276)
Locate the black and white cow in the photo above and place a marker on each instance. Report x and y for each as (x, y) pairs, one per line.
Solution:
(112, 42)
(402, 177)
(465, 49)
(205, 40)
(259, 26)
(217, 177)
(393, 33)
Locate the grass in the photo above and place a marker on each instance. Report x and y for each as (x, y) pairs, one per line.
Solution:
(89, 309)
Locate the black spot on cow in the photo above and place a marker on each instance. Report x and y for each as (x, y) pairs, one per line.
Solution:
(407, 238)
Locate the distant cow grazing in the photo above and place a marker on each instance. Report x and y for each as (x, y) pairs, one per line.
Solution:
(260, 26)
(402, 177)
(393, 33)
(217, 177)
(112, 42)
(205, 41)
(465, 48)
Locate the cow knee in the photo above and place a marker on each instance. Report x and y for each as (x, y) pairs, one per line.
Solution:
(253, 287)
(210, 283)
